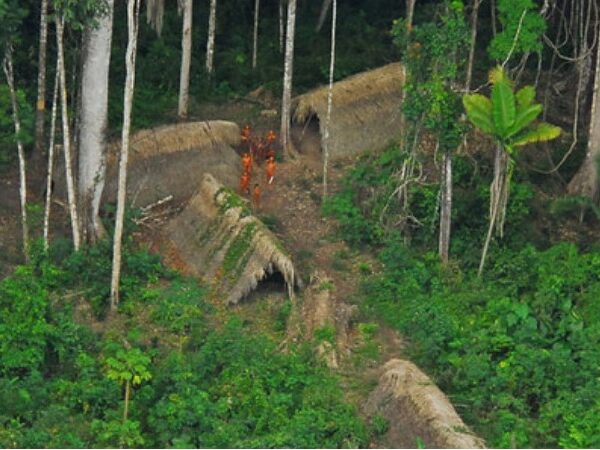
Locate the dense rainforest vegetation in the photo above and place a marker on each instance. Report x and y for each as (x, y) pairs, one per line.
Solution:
(475, 233)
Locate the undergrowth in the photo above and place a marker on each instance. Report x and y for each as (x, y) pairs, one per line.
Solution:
(516, 351)
(192, 385)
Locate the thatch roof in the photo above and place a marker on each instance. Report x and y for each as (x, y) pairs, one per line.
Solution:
(171, 160)
(365, 110)
(221, 242)
(416, 408)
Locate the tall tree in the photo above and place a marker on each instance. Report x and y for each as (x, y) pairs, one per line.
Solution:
(473, 42)
(41, 92)
(48, 200)
(210, 42)
(67, 134)
(326, 137)
(155, 12)
(255, 34)
(10, 79)
(323, 14)
(93, 121)
(585, 181)
(133, 10)
(506, 117)
(281, 26)
(186, 57)
(287, 79)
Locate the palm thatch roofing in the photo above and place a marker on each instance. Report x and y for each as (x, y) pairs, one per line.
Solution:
(365, 110)
(171, 160)
(417, 409)
(218, 240)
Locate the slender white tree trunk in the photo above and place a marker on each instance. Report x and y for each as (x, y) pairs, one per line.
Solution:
(326, 137)
(323, 14)
(410, 13)
(10, 79)
(287, 79)
(133, 9)
(93, 123)
(48, 203)
(41, 93)
(210, 44)
(446, 208)
(474, 17)
(67, 135)
(255, 34)
(281, 26)
(186, 57)
(585, 181)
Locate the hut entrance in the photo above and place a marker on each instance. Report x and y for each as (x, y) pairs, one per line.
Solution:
(272, 284)
(306, 136)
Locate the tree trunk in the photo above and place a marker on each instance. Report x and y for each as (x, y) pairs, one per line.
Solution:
(127, 390)
(281, 28)
(10, 79)
(92, 128)
(497, 198)
(186, 57)
(210, 44)
(255, 34)
(287, 79)
(41, 93)
(155, 12)
(410, 13)
(474, 17)
(133, 9)
(48, 203)
(446, 207)
(326, 139)
(67, 135)
(323, 14)
(585, 181)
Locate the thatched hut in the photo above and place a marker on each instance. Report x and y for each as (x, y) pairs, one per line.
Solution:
(365, 111)
(218, 240)
(172, 159)
(168, 160)
(417, 409)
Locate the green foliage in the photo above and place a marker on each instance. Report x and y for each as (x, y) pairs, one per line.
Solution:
(506, 116)
(61, 384)
(380, 425)
(237, 391)
(433, 55)
(515, 350)
(529, 27)
(8, 138)
(127, 365)
(23, 326)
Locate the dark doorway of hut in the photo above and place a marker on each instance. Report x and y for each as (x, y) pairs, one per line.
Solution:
(273, 285)
(306, 137)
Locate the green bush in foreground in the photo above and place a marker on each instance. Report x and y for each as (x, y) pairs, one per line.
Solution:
(61, 385)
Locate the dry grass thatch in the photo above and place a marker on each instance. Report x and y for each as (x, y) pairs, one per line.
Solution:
(171, 160)
(224, 244)
(365, 110)
(416, 408)
(179, 137)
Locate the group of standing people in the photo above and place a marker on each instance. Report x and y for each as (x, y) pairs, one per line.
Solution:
(259, 150)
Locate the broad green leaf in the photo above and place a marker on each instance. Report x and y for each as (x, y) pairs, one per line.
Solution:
(504, 110)
(525, 116)
(479, 111)
(525, 96)
(543, 132)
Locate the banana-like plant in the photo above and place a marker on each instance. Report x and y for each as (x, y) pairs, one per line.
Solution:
(508, 118)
